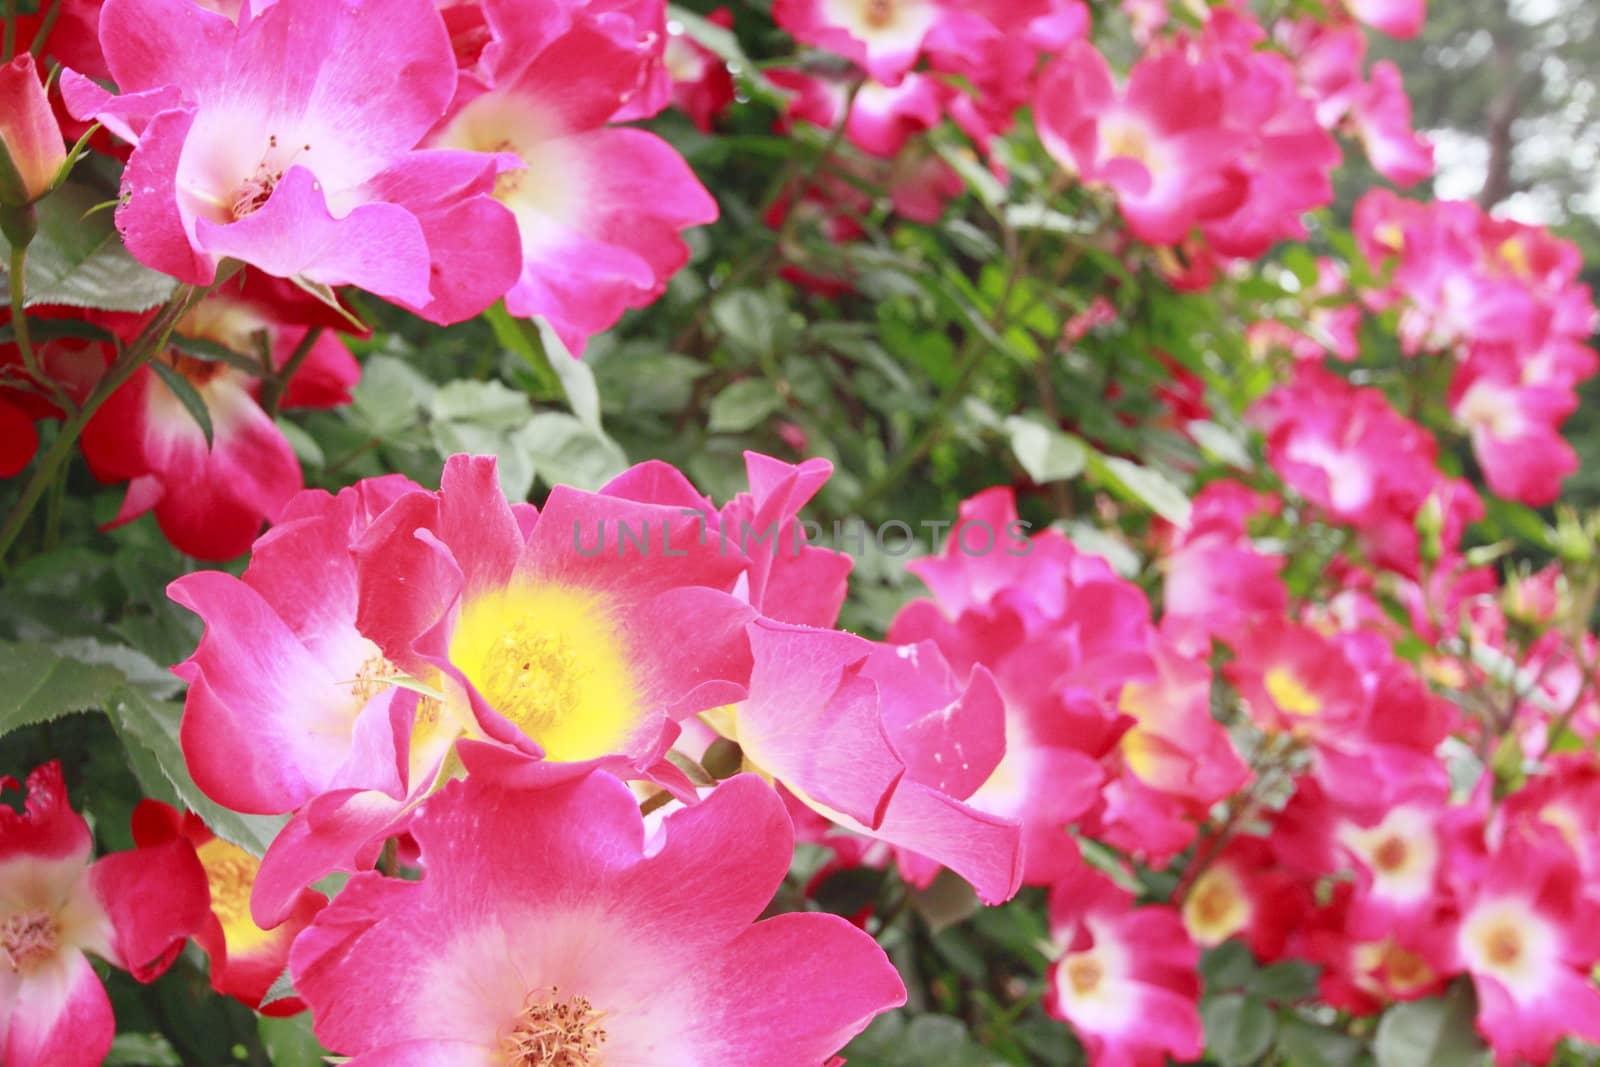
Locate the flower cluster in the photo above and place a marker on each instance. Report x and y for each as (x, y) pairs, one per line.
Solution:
(268, 136)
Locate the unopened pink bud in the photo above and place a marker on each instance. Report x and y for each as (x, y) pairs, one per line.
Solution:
(32, 150)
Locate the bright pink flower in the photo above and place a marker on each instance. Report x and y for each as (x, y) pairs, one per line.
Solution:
(598, 209)
(1382, 117)
(1177, 760)
(789, 580)
(549, 626)
(992, 49)
(245, 959)
(290, 706)
(1530, 939)
(211, 500)
(702, 86)
(1400, 860)
(1127, 978)
(553, 931)
(1161, 143)
(885, 37)
(1565, 799)
(1286, 163)
(279, 142)
(1363, 975)
(1294, 679)
(132, 909)
(1061, 633)
(1463, 280)
(882, 117)
(1515, 429)
(32, 150)
(1244, 893)
(1374, 108)
(922, 185)
(1346, 449)
(883, 741)
(1397, 18)
(1217, 583)
(1148, 17)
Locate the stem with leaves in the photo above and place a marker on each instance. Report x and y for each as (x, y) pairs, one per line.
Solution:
(151, 340)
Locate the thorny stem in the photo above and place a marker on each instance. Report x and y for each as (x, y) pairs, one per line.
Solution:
(151, 339)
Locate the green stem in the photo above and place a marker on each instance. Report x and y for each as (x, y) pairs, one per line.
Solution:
(24, 338)
(10, 46)
(19, 321)
(972, 354)
(150, 341)
(971, 357)
(278, 383)
(48, 24)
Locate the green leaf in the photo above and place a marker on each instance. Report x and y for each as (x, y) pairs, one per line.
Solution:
(37, 685)
(743, 405)
(306, 448)
(1436, 1032)
(483, 418)
(1305, 1044)
(946, 901)
(57, 329)
(142, 1050)
(150, 727)
(959, 157)
(136, 667)
(192, 402)
(1047, 454)
(1227, 966)
(282, 989)
(290, 1043)
(212, 352)
(1219, 443)
(577, 380)
(1143, 485)
(751, 321)
(1038, 216)
(525, 339)
(1239, 1029)
(388, 399)
(78, 258)
(566, 452)
(896, 1039)
(1510, 519)
(1286, 982)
